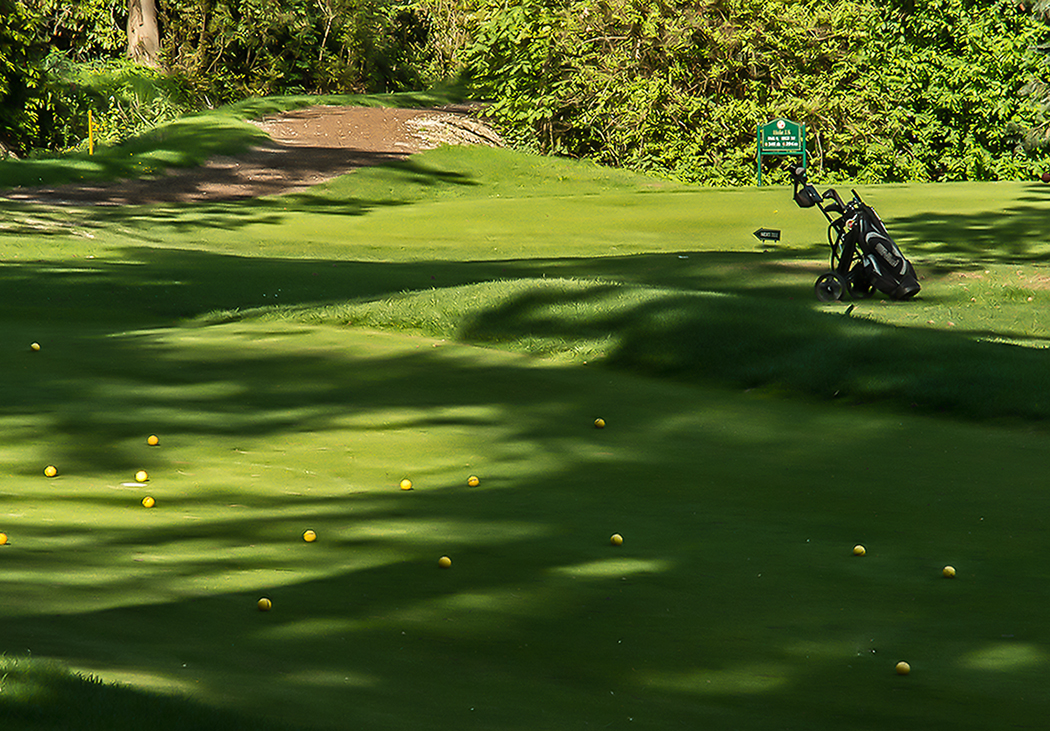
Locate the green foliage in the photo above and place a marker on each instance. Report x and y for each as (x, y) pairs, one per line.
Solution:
(917, 90)
(215, 51)
(952, 99)
(62, 61)
(230, 49)
(1038, 89)
(679, 86)
(21, 76)
(125, 99)
(87, 29)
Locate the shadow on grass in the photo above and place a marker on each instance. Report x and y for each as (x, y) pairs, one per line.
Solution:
(756, 342)
(733, 600)
(36, 695)
(184, 143)
(719, 610)
(738, 319)
(1017, 233)
(408, 180)
(164, 285)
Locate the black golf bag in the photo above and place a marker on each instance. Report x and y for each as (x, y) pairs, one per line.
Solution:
(863, 255)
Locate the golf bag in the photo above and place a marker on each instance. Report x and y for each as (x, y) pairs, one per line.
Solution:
(863, 255)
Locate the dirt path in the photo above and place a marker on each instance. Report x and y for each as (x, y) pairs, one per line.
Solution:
(310, 146)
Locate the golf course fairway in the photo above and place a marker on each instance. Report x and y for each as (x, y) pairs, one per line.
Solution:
(297, 361)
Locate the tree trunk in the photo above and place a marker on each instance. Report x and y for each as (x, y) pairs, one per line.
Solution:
(143, 33)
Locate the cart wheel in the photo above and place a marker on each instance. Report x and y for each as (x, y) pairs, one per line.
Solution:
(829, 287)
(858, 284)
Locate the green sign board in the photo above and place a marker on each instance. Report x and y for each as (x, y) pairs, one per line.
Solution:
(781, 137)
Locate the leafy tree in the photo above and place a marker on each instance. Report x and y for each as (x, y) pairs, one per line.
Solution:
(918, 90)
(951, 90)
(85, 30)
(233, 48)
(21, 76)
(1038, 89)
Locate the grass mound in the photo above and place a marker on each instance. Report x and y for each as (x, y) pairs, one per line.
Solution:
(698, 336)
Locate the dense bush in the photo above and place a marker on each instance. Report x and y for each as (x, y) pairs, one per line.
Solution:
(59, 59)
(21, 77)
(125, 99)
(920, 90)
(230, 49)
(85, 30)
(952, 102)
(898, 90)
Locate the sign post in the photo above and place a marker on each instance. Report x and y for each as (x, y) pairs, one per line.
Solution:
(781, 137)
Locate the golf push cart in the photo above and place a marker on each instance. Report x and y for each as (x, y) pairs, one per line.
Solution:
(863, 256)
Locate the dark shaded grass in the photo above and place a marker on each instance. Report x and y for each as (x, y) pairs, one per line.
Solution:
(44, 696)
(748, 340)
(959, 236)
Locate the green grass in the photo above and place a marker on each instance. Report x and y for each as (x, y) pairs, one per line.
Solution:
(472, 312)
(725, 337)
(38, 695)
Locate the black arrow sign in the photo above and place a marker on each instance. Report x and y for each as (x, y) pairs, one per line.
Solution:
(768, 234)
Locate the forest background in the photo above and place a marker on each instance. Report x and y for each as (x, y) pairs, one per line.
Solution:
(905, 90)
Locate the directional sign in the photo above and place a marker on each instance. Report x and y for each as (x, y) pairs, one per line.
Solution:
(768, 234)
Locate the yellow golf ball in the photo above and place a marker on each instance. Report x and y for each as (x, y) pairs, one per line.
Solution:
(616, 539)
(3, 539)
(599, 423)
(153, 440)
(50, 470)
(148, 502)
(141, 476)
(858, 550)
(444, 562)
(473, 481)
(949, 572)
(406, 484)
(309, 536)
(34, 346)
(265, 605)
(903, 668)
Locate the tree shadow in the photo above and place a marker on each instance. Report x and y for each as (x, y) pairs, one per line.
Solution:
(717, 606)
(1016, 234)
(742, 319)
(189, 200)
(733, 596)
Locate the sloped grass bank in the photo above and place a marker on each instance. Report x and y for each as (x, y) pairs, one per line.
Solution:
(731, 338)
